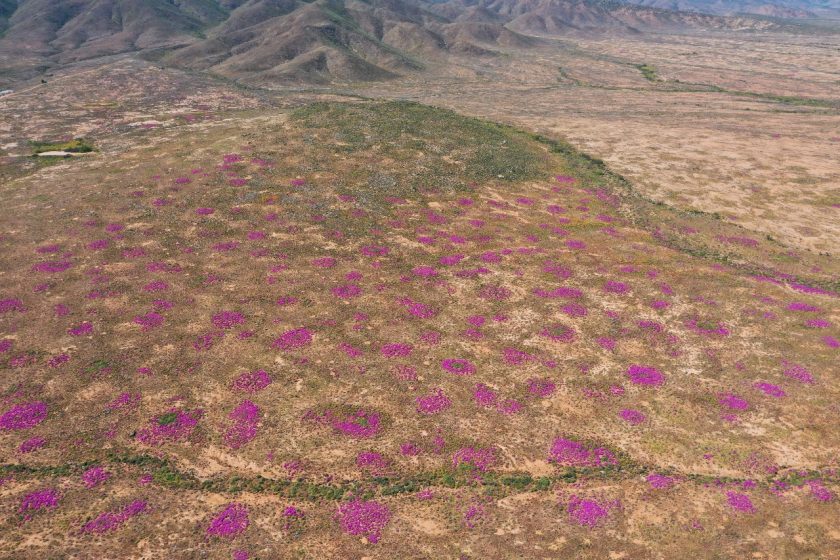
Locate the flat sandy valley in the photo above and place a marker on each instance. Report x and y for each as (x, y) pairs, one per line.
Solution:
(747, 125)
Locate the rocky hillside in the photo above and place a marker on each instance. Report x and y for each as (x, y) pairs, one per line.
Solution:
(320, 41)
(774, 8)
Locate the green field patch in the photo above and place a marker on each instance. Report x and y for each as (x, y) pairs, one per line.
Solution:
(74, 146)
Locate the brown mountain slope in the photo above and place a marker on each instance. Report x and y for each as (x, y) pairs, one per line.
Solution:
(308, 42)
(560, 16)
(7, 8)
(346, 40)
(253, 12)
(80, 28)
(261, 41)
(778, 9)
(42, 33)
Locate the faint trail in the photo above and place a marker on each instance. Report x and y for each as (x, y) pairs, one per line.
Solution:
(498, 483)
(57, 79)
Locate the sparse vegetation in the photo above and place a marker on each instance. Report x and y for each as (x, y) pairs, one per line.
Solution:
(74, 146)
(439, 145)
(648, 71)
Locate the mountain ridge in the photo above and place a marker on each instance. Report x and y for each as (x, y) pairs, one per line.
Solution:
(320, 41)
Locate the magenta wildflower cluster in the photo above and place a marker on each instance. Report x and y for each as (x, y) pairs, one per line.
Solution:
(590, 512)
(230, 522)
(172, 426)
(572, 453)
(364, 518)
(113, 520)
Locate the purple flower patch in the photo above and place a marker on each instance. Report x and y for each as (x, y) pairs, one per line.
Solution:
(558, 332)
(295, 338)
(740, 502)
(396, 350)
(125, 401)
(156, 286)
(244, 421)
(230, 522)
(82, 329)
(371, 461)
(172, 426)
(484, 395)
(433, 403)
(801, 306)
(514, 357)
(733, 401)
(510, 406)
(567, 452)
(660, 481)
(368, 519)
(574, 310)
(615, 287)
(645, 375)
(98, 244)
(32, 444)
(424, 271)
(95, 476)
(51, 267)
(57, 361)
(252, 382)
(347, 291)
(227, 319)
(494, 293)
(374, 251)
(41, 499)
(770, 389)
(587, 512)
(361, 424)
(632, 416)
(707, 328)
(558, 270)
(419, 310)
(798, 373)
(458, 366)
(561, 292)
(451, 260)
(480, 459)
(819, 492)
(10, 305)
(541, 387)
(149, 320)
(23, 416)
